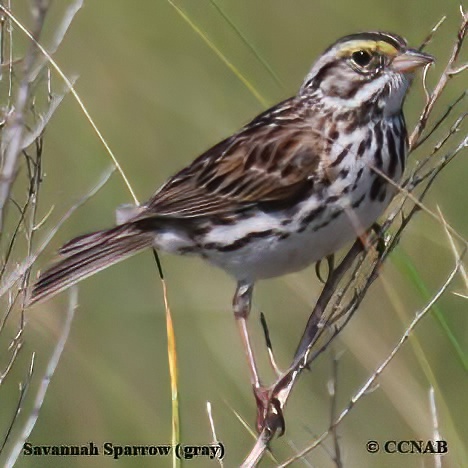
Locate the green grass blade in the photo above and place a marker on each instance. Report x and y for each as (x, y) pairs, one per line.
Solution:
(404, 263)
(223, 58)
(249, 45)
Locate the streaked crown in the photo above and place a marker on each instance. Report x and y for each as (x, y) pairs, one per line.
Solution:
(365, 66)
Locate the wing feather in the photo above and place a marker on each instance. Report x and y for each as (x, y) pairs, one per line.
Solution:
(272, 159)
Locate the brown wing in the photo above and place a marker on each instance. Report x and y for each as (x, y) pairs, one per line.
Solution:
(272, 159)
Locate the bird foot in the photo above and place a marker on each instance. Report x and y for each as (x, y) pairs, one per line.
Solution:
(269, 411)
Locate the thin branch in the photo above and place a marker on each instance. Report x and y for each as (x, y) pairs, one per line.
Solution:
(83, 108)
(414, 140)
(16, 346)
(370, 383)
(19, 272)
(11, 143)
(430, 36)
(213, 430)
(444, 117)
(41, 393)
(23, 391)
(332, 390)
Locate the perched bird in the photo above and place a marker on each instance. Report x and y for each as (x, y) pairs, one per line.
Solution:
(293, 186)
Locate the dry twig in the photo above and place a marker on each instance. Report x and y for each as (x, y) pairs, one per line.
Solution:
(22, 125)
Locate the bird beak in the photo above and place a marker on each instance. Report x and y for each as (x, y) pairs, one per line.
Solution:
(410, 60)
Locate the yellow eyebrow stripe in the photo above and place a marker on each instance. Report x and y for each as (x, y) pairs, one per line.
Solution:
(372, 46)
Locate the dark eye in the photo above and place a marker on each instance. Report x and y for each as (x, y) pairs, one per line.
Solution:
(361, 58)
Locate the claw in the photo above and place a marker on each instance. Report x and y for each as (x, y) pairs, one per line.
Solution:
(269, 411)
(278, 415)
(381, 244)
(330, 263)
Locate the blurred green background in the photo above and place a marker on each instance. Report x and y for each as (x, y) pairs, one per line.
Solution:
(161, 96)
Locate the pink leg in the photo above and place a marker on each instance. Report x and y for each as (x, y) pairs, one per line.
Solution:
(241, 305)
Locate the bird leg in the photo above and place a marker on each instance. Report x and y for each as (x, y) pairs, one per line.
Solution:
(241, 304)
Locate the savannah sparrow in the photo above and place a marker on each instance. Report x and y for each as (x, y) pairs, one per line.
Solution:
(293, 186)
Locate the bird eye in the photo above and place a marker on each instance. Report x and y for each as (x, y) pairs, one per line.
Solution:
(361, 58)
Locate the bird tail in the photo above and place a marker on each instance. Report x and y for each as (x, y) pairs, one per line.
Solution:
(88, 254)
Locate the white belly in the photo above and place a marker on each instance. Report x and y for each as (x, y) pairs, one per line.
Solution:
(272, 255)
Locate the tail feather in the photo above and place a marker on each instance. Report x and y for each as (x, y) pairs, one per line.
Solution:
(88, 254)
